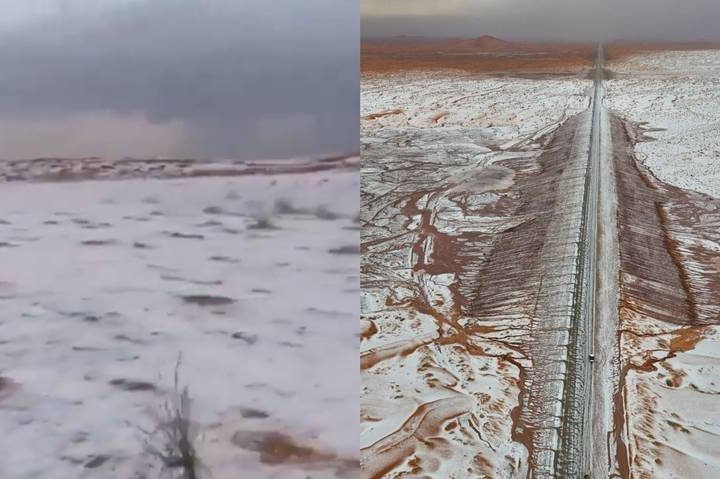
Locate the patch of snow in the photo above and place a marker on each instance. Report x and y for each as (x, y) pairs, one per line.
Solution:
(677, 95)
(103, 284)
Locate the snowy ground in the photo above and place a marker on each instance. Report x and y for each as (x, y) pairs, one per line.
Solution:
(672, 420)
(671, 389)
(104, 283)
(439, 387)
(677, 93)
(503, 111)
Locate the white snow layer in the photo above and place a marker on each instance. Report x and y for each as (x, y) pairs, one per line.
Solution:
(96, 290)
(678, 93)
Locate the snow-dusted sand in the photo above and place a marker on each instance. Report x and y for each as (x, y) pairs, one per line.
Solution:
(104, 283)
(676, 95)
(440, 387)
(671, 390)
(672, 420)
(443, 389)
(501, 109)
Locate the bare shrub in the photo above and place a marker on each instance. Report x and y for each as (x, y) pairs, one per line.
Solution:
(171, 441)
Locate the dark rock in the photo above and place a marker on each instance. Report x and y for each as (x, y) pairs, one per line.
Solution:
(210, 223)
(98, 242)
(248, 338)
(96, 461)
(224, 259)
(131, 385)
(250, 413)
(175, 234)
(325, 214)
(213, 210)
(128, 339)
(263, 224)
(207, 300)
(348, 249)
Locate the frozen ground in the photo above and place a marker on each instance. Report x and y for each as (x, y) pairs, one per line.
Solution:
(442, 155)
(103, 284)
(676, 94)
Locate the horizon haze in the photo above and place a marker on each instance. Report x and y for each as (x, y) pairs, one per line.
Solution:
(543, 20)
(182, 78)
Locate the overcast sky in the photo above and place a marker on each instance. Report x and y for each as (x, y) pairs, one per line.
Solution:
(545, 19)
(228, 78)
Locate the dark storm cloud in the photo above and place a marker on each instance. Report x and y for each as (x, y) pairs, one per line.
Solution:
(246, 78)
(546, 19)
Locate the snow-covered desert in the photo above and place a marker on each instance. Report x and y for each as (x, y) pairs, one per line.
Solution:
(251, 281)
(539, 274)
(670, 363)
(447, 163)
(675, 95)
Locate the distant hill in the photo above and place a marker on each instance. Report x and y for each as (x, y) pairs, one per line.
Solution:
(488, 43)
(484, 44)
(481, 54)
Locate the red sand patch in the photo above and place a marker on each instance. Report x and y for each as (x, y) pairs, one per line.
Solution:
(375, 116)
(480, 55)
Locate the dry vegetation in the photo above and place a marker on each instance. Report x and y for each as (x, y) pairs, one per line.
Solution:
(171, 442)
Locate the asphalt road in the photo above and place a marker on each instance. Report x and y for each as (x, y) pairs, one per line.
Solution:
(589, 273)
(575, 449)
